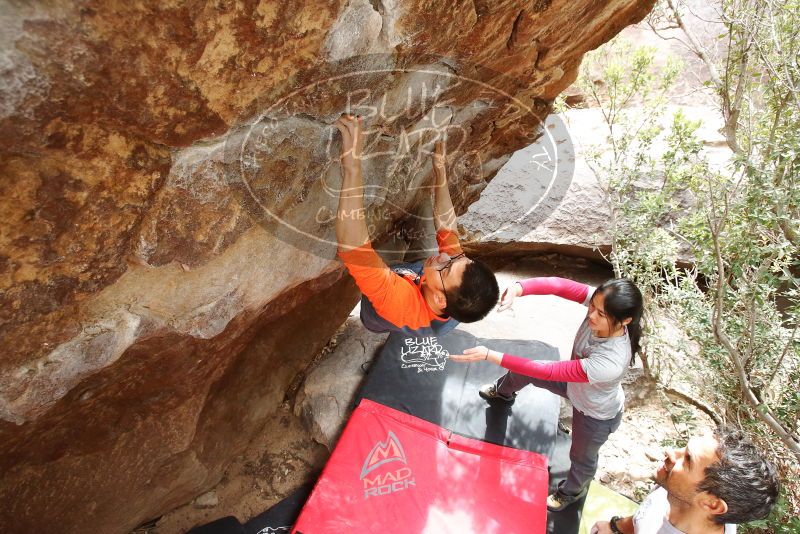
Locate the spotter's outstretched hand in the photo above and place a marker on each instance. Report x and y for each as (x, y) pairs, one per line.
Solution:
(475, 354)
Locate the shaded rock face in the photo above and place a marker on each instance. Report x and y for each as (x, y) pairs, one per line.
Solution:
(325, 399)
(166, 264)
(147, 433)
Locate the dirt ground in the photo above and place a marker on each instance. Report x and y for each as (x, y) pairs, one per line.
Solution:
(652, 421)
(275, 464)
(278, 462)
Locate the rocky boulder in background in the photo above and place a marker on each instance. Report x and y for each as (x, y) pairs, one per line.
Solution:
(169, 172)
(547, 198)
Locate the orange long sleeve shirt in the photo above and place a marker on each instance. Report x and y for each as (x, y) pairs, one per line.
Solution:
(396, 298)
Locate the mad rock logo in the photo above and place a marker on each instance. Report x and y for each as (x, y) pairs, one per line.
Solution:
(385, 469)
(423, 354)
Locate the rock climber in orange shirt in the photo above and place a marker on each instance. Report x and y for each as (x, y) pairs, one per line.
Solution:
(430, 297)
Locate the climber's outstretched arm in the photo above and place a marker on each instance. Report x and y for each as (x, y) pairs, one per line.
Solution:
(351, 220)
(443, 212)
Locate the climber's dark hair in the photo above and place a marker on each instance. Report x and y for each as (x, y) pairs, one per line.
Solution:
(475, 297)
(623, 300)
(742, 477)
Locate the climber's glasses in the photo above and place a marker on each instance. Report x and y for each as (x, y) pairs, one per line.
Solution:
(447, 265)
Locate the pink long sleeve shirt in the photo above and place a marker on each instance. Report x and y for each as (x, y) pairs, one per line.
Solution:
(595, 371)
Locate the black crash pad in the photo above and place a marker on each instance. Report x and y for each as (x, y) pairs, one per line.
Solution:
(412, 374)
(223, 525)
(280, 517)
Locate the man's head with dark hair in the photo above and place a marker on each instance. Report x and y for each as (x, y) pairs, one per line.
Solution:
(741, 477)
(476, 296)
(460, 287)
(723, 475)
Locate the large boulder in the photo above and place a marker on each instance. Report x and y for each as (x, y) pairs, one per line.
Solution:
(545, 199)
(325, 399)
(548, 198)
(169, 175)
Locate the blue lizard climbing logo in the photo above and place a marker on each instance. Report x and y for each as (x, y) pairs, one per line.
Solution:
(424, 354)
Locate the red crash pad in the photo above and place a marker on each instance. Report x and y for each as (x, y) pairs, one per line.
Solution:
(395, 473)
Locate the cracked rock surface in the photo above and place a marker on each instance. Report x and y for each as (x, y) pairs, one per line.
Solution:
(166, 264)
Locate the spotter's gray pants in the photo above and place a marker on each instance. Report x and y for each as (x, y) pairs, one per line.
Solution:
(588, 435)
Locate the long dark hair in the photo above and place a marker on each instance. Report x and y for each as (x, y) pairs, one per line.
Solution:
(623, 300)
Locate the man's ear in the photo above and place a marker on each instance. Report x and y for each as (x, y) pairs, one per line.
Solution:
(440, 299)
(712, 504)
